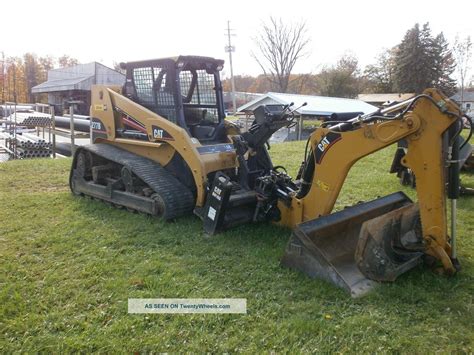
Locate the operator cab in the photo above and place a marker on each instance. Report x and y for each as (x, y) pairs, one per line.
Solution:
(185, 90)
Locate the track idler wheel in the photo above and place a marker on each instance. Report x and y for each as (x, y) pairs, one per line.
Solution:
(83, 164)
(161, 207)
(82, 170)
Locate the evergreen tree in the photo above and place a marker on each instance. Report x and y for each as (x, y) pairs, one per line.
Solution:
(423, 61)
(445, 66)
(411, 72)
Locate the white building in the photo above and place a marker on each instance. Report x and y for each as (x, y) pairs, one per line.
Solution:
(466, 101)
(317, 106)
(74, 83)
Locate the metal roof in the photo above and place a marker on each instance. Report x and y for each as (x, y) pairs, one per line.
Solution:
(316, 105)
(468, 96)
(79, 77)
(79, 83)
(241, 96)
(171, 61)
(385, 98)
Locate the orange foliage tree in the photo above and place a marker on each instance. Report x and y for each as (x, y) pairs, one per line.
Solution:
(19, 74)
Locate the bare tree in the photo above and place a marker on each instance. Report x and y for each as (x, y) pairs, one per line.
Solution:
(66, 61)
(462, 52)
(280, 46)
(117, 67)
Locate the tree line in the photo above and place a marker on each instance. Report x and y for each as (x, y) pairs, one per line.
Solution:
(419, 61)
(19, 74)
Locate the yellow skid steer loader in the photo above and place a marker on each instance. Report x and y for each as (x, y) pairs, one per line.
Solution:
(161, 145)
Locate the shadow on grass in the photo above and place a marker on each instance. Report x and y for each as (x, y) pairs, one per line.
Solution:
(185, 229)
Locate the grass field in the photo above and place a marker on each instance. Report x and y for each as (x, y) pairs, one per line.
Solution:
(68, 266)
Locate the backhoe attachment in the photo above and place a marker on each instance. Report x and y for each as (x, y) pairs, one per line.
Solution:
(379, 240)
(360, 245)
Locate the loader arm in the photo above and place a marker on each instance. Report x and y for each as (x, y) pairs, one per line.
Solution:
(334, 151)
(164, 138)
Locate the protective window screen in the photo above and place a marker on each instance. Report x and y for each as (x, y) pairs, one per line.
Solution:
(143, 80)
(164, 90)
(185, 79)
(203, 92)
(211, 115)
(155, 90)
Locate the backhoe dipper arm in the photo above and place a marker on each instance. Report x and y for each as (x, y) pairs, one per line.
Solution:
(422, 123)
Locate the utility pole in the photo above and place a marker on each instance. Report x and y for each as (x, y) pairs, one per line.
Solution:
(14, 83)
(3, 77)
(230, 48)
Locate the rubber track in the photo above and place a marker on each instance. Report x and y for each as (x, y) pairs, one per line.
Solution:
(177, 198)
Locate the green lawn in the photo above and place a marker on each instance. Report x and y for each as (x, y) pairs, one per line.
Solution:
(68, 266)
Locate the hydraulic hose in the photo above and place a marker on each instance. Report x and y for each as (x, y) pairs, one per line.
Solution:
(307, 175)
(469, 119)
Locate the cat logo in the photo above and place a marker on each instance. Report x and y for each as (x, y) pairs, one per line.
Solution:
(323, 144)
(157, 133)
(160, 133)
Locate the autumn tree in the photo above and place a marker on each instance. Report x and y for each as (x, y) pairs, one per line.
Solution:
(243, 83)
(381, 75)
(67, 61)
(279, 47)
(340, 80)
(305, 84)
(14, 80)
(2, 79)
(298, 84)
(261, 84)
(45, 64)
(31, 73)
(19, 74)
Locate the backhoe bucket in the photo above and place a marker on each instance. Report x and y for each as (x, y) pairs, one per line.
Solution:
(360, 245)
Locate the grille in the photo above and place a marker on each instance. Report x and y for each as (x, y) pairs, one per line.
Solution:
(211, 115)
(143, 79)
(155, 89)
(204, 92)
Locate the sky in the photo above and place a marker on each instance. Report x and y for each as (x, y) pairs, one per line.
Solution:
(118, 31)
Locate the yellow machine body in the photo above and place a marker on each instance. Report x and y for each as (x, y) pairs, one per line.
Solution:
(109, 105)
(423, 128)
(169, 160)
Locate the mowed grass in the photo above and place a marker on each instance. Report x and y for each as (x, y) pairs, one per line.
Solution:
(69, 264)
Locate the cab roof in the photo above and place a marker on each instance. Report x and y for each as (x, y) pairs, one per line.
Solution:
(186, 60)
